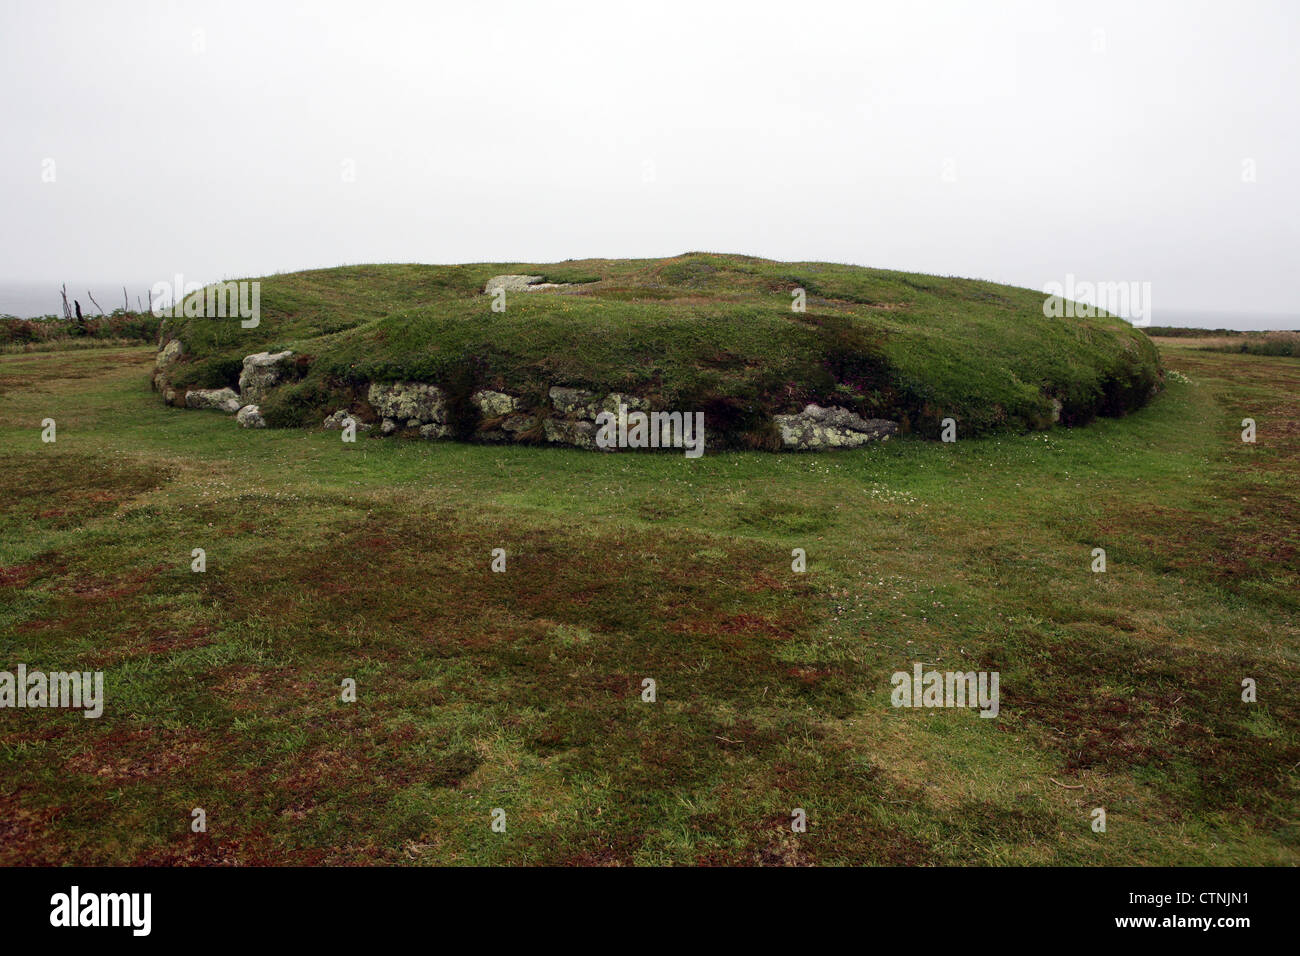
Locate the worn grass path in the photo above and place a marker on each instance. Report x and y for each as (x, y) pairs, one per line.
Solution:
(522, 690)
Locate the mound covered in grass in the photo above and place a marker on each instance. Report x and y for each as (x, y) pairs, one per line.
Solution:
(711, 333)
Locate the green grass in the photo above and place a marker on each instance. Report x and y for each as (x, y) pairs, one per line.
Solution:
(703, 332)
(522, 690)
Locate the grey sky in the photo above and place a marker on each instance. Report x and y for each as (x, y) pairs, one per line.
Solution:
(1101, 139)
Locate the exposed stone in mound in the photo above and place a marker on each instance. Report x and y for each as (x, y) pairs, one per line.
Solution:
(168, 354)
(423, 408)
(494, 404)
(614, 399)
(341, 418)
(581, 434)
(522, 283)
(816, 427)
(519, 423)
(511, 283)
(250, 416)
(579, 409)
(262, 371)
(222, 399)
(574, 402)
(577, 403)
(411, 402)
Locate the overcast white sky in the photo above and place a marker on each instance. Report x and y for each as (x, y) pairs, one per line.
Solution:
(1103, 139)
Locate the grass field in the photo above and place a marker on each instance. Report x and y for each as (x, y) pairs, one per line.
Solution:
(522, 690)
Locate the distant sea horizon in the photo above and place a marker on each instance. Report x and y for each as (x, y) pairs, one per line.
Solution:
(29, 300)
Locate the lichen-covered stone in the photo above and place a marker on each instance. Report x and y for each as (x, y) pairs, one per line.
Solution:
(820, 428)
(580, 434)
(222, 399)
(409, 401)
(250, 416)
(614, 399)
(574, 402)
(430, 432)
(525, 283)
(518, 423)
(341, 418)
(169, 354)
(494, 404)
(511, 283)
(261, 372)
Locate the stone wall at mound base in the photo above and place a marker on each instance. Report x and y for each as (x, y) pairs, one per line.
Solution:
(417, 409)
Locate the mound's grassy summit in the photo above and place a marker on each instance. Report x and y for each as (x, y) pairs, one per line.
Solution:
(715, 333)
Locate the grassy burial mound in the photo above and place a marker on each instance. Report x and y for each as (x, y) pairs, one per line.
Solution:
(421, 351)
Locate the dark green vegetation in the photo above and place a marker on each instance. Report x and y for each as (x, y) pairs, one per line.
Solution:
(700, 332)
(522, 690)
(120, 328)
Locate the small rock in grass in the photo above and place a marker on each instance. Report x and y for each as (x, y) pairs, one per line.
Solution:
(250, 416)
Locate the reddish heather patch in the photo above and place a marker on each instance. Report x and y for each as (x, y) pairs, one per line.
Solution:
(118, 586)
(766, 582)
(18, 575)
(202, 849)
(123, 756)
(244, 687)
(163, 642)
(776, 844)
(25, 834)
(808, 676)
(751, 625)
